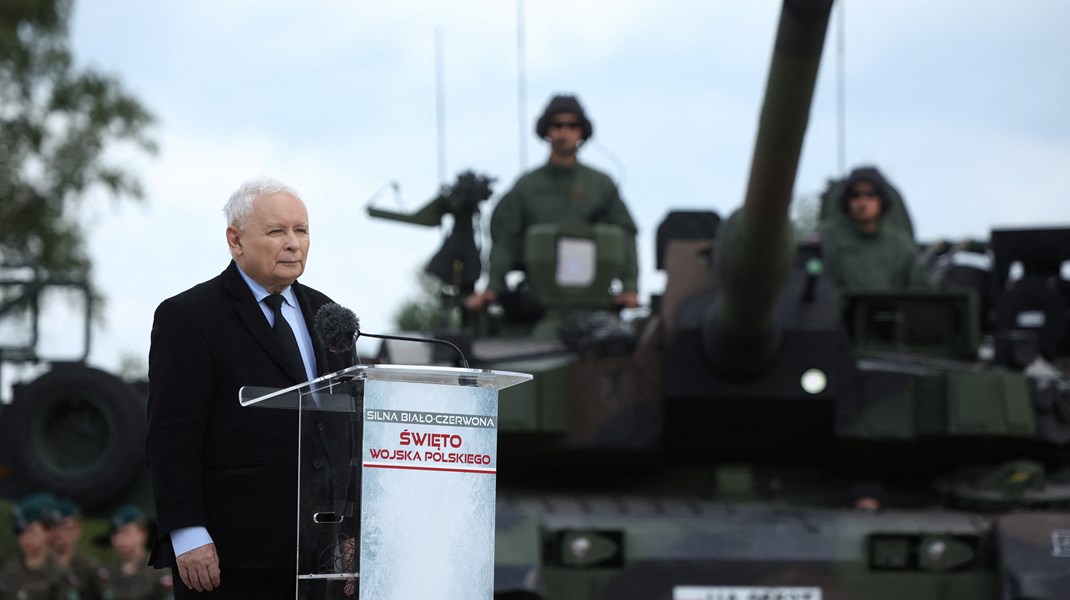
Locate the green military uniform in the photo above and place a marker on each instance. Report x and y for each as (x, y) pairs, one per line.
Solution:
(19, 583)
(81, 578)
(16, 581)
(884, 261)
(80, 575)
(859, 261)
(146, 583)
(557, 195)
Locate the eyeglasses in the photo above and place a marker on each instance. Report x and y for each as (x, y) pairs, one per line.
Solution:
(860, 193)
(565, 125)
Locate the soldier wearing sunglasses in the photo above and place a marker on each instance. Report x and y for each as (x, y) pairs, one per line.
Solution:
(562, 191)
(863, 252)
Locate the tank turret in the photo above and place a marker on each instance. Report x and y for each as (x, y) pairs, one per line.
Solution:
(764, 434)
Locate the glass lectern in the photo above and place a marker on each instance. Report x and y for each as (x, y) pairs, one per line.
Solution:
(396, 480)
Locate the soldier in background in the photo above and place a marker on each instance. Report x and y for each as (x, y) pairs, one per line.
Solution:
(130, 577)
(80, 568)
(33, 575)
(562, 191)
(863, 253)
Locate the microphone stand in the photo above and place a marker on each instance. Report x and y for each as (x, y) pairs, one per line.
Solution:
(358, 333)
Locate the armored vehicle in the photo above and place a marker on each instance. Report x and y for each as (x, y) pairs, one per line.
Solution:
(763, 434)
(759, 435)
(71, 429)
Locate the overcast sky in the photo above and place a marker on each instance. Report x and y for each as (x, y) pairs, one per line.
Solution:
(963, 104)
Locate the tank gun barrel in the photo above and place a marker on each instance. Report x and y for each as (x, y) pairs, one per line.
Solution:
(756, 247)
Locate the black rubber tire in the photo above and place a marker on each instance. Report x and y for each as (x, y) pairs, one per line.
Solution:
(78, 432)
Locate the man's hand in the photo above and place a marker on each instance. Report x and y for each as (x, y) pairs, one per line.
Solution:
(478, 301)
(199, 568)
(627, 299)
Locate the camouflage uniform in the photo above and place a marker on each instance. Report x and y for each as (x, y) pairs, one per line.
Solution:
(16, 581)
(81, 574)
(557, 195)
(81, 578)
(19, 583)
(147, 583)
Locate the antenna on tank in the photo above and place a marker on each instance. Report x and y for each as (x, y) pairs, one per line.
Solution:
(440, 102)
(521, 87)
(841, 91)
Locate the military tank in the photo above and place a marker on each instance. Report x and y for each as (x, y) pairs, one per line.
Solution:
(760, 435)
(764, 435)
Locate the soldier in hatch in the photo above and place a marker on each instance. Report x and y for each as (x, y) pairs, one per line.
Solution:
(861, 253)
(562, 191)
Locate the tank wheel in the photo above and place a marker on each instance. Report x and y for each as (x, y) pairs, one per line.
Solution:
(78, 432)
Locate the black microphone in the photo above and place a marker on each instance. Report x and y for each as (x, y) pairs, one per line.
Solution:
(338, 328)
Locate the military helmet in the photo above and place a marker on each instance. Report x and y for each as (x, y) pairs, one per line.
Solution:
(563, 104)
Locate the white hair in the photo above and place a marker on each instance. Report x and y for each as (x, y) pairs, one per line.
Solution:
(240, 204)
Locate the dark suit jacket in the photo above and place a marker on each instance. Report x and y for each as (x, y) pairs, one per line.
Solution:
(213, 463)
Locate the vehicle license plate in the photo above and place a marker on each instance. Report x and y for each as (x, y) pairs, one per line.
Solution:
(745, 593)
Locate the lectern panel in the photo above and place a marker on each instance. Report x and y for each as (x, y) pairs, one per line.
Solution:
(428, 491)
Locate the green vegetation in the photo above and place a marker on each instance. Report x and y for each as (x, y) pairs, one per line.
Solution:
(427, 312)
(58, 122)
(805, 215)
